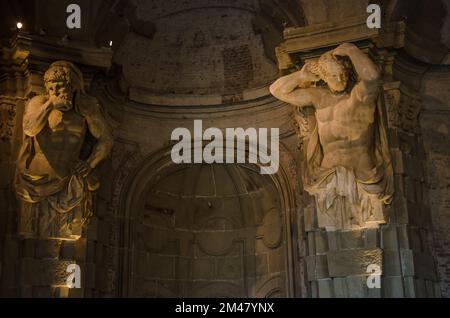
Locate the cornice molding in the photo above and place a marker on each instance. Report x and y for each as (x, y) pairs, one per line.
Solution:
(303, 43)
(50, 49)
(112, 95)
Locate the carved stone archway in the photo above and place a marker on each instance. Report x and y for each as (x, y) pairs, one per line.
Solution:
(154, 237)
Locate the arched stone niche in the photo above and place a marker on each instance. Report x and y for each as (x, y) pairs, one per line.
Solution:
(199, 230)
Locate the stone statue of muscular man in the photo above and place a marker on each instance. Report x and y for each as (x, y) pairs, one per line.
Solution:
(347, 163)
(53, 181)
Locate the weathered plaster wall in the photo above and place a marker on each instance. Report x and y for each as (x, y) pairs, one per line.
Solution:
(435, 127)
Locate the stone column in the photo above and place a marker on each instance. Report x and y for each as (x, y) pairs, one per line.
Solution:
(37, 267)
(410, 269)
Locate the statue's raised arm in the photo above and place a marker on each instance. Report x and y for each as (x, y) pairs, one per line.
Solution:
(297, 88)
(367, 87)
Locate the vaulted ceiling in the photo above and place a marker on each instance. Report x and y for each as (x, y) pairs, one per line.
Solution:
(428, 22)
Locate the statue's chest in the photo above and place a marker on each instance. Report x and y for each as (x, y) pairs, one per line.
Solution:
(67, 134)
(346, 112)
(331, 108)
(71, 123)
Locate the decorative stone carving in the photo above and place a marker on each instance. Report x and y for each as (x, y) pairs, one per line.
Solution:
(409, 109)
(402, 106)
(272, 229)
(7, 115)
(347, 165)
(392, 98)
(54, 177)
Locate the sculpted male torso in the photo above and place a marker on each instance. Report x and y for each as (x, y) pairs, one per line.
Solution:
(347, 163)
(345, 128)
(54, 178)
(58, 143)
(344, 119)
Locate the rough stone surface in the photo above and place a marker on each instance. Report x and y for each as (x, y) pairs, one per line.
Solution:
(435, 127)
(221, 55)
(353, 262)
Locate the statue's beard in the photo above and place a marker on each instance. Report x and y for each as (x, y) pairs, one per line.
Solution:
(64, 96)
(67, 100)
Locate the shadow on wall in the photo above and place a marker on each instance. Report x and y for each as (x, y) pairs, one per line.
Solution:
(208, 231)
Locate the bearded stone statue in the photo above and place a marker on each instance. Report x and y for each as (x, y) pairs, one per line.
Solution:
(347, 162)
(53, 181)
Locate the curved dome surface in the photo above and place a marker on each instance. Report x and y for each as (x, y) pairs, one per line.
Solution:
(198, 47)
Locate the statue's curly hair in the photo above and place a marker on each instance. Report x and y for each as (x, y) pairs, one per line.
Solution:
(321, 67)
(65, 72)
(60, 74)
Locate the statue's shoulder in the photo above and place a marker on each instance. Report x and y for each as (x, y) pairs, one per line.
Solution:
(37, 100)
(87, 105)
